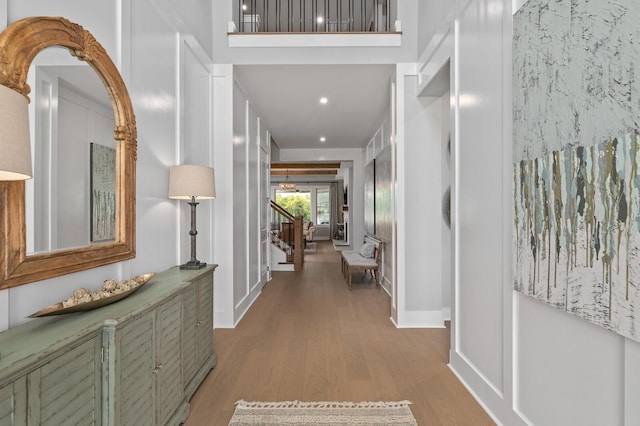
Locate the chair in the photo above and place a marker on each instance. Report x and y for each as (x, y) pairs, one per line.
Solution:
(307, 230)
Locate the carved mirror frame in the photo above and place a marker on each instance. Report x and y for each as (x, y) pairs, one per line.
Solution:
(20, 42)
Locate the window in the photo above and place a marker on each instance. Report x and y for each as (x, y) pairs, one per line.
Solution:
(296, 203)
(323, 207)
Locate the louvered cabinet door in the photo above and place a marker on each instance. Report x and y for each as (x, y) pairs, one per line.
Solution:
(13, 403)
(205, 319)
(135, 387)
(189, 335)
(169, 385)
(68, 389)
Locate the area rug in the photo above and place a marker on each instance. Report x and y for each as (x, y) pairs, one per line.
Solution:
(322, 413)
(310, 247)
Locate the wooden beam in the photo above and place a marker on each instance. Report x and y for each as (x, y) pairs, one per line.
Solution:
(302, 172)
(305, 165)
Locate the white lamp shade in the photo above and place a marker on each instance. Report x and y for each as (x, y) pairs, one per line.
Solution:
(15, 146)
(192, 181)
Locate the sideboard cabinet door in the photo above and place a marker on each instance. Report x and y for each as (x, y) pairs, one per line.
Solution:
(168, 367)
(189, 334)
(148, 387)
(13, 403)
(199, 358)
(205, 319)
(134, 386)
(68, 389)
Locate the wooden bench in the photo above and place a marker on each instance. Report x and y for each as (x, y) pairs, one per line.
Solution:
(353, 261)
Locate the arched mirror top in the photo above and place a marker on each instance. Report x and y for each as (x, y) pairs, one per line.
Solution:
(19, 44)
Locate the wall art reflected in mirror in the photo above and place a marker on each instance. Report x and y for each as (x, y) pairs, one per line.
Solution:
(103, 193)
(76, 214)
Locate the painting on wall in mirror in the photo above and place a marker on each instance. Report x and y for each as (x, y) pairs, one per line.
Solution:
(103, 193)
(370, 198)
(576, 188)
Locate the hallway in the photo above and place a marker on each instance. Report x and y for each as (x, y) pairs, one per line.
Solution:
(307, 337)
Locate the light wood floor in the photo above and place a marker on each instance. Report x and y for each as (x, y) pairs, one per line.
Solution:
(307, 337)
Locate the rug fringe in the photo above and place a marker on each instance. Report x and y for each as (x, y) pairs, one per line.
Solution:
(322, 404)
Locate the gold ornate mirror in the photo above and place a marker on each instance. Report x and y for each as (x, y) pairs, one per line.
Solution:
(19, 44)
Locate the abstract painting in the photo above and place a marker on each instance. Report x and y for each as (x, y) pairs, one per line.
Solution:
(384, 205)
(576, 193)
(103, 193)
(370, 198)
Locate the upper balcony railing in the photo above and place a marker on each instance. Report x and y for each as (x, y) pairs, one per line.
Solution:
(315, 16)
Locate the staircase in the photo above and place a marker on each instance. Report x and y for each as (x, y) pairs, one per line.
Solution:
(287, 241)
(280, 256)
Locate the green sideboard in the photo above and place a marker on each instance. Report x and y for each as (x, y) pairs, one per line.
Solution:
(135, 362)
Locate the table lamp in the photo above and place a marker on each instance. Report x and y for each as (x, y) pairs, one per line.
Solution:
(15, 146)
(191, 183)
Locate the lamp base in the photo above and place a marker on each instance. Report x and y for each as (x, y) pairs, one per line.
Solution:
(193, 265)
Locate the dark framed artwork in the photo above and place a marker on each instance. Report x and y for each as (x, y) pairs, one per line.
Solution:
(103, 193)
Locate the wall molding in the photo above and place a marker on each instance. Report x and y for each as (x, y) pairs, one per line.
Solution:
(486, 395)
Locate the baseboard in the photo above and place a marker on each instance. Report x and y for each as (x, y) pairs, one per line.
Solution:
(446, 313)
(282, 267)
(489, 398)
(386, 285)
(243, 306)
(420, 319)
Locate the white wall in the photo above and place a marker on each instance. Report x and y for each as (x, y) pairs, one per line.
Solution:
(240, 171)
(446, 235)
(419, 223)
(431, 16)
(224, 142)
(525, 361)
(146, 47)
(237, 132)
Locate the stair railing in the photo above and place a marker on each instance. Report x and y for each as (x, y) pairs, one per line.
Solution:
(286, 232)
(314, 16)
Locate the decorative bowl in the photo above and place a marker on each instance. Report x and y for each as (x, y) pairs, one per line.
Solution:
(59, 309)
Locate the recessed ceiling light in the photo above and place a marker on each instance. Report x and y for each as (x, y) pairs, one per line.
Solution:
(320, 20)
(244, 7)
(324, 100)
(323, 139)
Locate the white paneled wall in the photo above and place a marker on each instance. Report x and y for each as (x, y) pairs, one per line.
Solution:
(526, 362)
(446, 235)
(154, 89)
(240, 207)
(224, 143)
(419, 223)
(479, 147)
(253, 202)
(237, 133)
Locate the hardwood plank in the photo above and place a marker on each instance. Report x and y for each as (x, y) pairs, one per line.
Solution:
(308, 337)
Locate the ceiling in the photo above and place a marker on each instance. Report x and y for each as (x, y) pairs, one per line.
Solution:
(287, 97)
